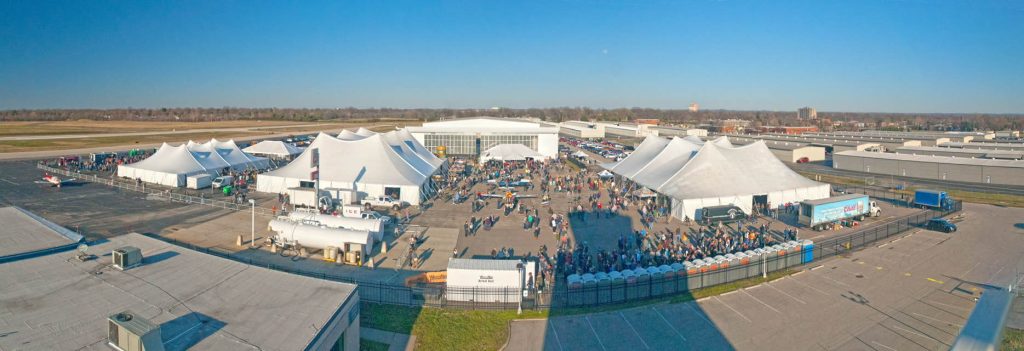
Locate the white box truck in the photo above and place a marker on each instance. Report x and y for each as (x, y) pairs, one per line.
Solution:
(199, 181)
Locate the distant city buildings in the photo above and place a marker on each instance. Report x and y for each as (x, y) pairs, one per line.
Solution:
(807, 113)
(694, 107)
(789, 130)
(651, 121)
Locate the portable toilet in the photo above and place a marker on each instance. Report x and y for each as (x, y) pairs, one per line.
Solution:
(618, 286)
(735, 271)
(575, 291)
(643, 282)
(629, 291)
(657, 280)
(795, 257)
(670, 279)
(589, 289)
(774, 263)
(603, 286)
(808, 250)
(753, 262)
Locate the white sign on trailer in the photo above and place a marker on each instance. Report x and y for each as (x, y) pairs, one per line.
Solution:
(487, 280)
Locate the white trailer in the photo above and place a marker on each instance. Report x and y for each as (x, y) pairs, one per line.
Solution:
(486, 280)
(199, 181)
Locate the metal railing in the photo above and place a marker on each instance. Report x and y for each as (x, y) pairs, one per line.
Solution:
(609, 292)
(157, 192)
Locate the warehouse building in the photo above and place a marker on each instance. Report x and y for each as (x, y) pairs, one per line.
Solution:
(924, 139)
(830, 145)
(471, 136)
(787, 151)
(667, 131)
(887, 143)
(955, 152)
(1005, 172)
(986, 146)
(581, 130)
(134, 292)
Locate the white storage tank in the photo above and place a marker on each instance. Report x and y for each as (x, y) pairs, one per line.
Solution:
(320, 237)
(374, 226)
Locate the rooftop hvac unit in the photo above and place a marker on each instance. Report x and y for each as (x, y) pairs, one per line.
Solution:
(128, 332)
(127, 257)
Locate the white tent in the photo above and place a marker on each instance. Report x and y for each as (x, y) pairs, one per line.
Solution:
(374, 165)
(171, 165)
(349, 135)
(365, 132)
(696, 175)
(509, 152)
(273, 148)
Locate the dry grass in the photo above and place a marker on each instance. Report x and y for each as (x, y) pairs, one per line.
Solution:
(127, 141)
(97, 127)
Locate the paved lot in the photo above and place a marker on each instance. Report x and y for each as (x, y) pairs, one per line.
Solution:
(913, 293)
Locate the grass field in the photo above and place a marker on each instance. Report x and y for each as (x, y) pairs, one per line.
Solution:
(127, 141)
(453, 329)
(1013, 340)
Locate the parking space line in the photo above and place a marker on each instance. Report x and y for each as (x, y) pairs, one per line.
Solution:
(940, 320)
(883, 345)
(699, 314)
(762, 302)
(787, 294)
(587, 318)
(9, 182)
(734, 310)
(558, 341)
(897, 326)
(634, 330)
(811, 287)
(929, 302)
(669, 324)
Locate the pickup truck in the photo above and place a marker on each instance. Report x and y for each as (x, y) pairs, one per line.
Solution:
(375, 215)
(383, 201)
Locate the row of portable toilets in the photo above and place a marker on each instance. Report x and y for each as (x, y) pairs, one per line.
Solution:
(631, 284)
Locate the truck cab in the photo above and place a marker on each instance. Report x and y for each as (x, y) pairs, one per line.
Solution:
(220, 182)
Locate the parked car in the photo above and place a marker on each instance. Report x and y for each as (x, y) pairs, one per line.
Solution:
(223, 181)
(940, 225)
(376, 215)
(803, 160)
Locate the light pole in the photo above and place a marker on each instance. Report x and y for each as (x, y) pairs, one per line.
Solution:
(764, 265)
(252, 242)
(522, 270)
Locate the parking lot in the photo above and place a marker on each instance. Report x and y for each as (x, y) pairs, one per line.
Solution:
(911, 293)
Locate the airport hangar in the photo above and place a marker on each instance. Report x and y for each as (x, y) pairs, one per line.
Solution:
(161, 296)
(987, 171)
(471, 136)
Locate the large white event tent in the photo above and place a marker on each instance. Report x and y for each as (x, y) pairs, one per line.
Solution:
(172, 165)
(370, 163)
(697, 174)
(275, 148)
(509, 152)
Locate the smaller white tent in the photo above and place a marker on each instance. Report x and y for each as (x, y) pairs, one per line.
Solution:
(509, 152)
(275, 148)
(172, 165)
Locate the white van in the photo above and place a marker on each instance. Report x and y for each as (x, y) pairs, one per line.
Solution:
(222, 181)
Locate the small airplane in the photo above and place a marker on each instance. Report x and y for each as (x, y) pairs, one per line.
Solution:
(54, 180)
(508, 196)
(525, 182)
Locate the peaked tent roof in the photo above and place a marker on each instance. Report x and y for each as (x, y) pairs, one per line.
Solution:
(369, 160)
(349, 135)
(509, 152)
(716, 171)
(273, 147)
(666, 163)
(411, 157)
(643, 154)
(419, 148)
(365, 132)
(171, 159)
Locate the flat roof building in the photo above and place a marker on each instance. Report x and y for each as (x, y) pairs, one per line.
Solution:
(973, 170)
(25, 234)
(581, 130)
(787, 151)
(185, 298)
(471, 136)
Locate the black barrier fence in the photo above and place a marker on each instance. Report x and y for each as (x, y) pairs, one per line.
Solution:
(605, 291)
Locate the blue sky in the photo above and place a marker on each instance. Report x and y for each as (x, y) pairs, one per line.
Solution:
(893, 56)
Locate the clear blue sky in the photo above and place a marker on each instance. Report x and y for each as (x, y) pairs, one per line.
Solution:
(846, 55)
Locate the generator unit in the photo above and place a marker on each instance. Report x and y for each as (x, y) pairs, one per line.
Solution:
(126, 257)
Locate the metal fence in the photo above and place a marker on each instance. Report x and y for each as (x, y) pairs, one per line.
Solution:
(157, 191)
(597, 293)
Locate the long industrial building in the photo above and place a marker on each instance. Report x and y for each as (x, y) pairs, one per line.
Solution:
(955, 152)
(787, 151)
(471, 136)
(581, 130)
(1005, 172)
(830, 145)
(986, 146)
